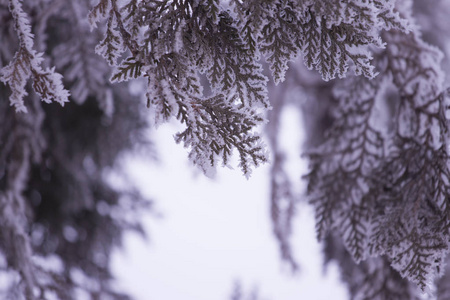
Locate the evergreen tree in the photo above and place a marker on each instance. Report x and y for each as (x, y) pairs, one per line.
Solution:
(60, 217)
(376, 119)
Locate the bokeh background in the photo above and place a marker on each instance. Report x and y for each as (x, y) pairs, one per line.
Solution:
(209, 235)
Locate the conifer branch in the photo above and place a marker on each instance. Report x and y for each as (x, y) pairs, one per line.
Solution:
(27, 63)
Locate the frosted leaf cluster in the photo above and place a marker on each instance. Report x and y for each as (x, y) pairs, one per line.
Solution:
(84, 72)
(378, 143)
(27, 63)
(175, 45)
(60, 218)
(380, 178)
(193, 53)
(329, 35)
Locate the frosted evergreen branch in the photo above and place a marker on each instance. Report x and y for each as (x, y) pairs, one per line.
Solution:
(372, 278)
(231, 130)
(85, 73)
(417, 242)
(420, 86)
(172, 57)
(378, 143)
(27, 63)
(211, 41)
(99, 12)
(400, 175)
(353, 149)
(129, 68)
(51, 158)
(278, 41)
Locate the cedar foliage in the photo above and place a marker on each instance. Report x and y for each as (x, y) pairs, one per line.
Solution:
(60, 217)
(377, 119)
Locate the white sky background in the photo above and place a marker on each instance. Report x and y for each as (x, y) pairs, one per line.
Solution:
(214, 232)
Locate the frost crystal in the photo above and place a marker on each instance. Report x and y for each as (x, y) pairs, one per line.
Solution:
(27, 63)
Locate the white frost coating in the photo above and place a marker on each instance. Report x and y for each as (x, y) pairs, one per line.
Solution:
(178, 41)
(203, 163)
(362, 62)
(421, 86)
(26, 64)
(112, 47)
(99, 13)
(16, 76)
(57, 92)
(169, 97)
(23, 27)
(160, 100)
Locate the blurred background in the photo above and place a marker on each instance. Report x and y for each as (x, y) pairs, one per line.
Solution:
(211, 238)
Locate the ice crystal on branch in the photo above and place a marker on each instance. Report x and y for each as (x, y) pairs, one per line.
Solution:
(27, 63)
